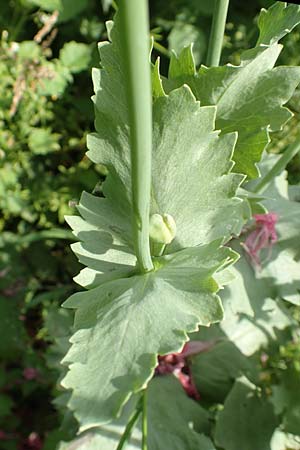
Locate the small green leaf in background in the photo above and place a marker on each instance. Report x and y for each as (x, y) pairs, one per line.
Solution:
(183, 34)
(55, 80)
(276, 22)
(75, 56)
(6, 405)
(47, 5)
(174, 422)
(13, 336)
(41, 141)
(28, 50)
(106, 5)
(205, 7)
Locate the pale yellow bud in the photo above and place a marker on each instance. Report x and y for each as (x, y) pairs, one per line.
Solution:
(162, 228)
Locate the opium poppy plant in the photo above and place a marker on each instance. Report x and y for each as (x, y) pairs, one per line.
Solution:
(166, 276)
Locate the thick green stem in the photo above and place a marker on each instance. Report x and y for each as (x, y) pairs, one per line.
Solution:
(144, 421)
(129, 427)
(135, 40)
(278, 167)
(217, 33)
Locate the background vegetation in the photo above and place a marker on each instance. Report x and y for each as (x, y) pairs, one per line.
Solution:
(47, 50)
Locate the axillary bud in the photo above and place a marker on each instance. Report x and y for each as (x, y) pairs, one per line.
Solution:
(162, 228)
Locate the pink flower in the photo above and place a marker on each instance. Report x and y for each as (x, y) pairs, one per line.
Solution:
(34, 442)
(3, 435)
(178, 365)
(30, 373)
(263, 236)
(188, 384)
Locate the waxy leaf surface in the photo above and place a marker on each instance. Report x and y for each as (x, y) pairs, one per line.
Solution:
(276, 22)
(247, 421)
(110, 357)
(286, 400)
(203, 204)
(251, 321)
(285, 253)
(174, 421)
(249, 97)
(254, 312)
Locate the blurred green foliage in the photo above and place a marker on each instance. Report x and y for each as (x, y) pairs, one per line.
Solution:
(47, 50)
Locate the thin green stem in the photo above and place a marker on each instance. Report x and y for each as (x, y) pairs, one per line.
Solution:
(217, 33)
(161, 49)
(55, 233)
(157, 249)
(129, 427)
(134, 23)
(278, 167)
(144, 421)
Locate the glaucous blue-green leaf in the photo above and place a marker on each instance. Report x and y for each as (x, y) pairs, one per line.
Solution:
(278, 199)
(58, 323)
(284, 441)
(107, 436)
(214, 371)
(283, 272)
(249, 97)
(286, 400)
(203, 205)
(253, 316)
(106, 5)
(110, 357)
(281, 265)
(174, 421)
(184, 34)
(184, 141)
(247, 421)
(106, 255)
(282, 199)
(276, 22)
(254, 310)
